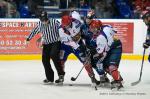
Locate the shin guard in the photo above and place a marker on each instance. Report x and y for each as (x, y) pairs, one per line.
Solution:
(89, 69)
(114, 72)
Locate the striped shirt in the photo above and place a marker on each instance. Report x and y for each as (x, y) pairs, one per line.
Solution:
(50, 32)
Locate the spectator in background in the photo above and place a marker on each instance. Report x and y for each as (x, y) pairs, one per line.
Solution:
(109, 9)
(3, 9)
(140, 6)
(104, 9)
(32, 7)
(84, 5)
(12, 9)
(99, 9)
(137, 12)
(63, 4)
(144, 4)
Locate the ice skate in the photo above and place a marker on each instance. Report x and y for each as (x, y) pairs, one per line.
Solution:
(117, 84)
(104, 81)
(93, 85)
(47, 82)
(60, 80)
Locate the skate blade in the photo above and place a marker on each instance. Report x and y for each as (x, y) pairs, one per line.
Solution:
(49, 83)
(116, 87)
(59, 84)
(105, 85)
(94, 86)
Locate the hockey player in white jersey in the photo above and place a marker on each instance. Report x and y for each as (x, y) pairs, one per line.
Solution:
(72, 43)
(108, 51)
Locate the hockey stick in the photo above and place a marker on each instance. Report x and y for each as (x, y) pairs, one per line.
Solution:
(135, 83)
(74, 78)
(88, 58)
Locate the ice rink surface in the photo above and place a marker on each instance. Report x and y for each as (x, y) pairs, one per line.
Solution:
(23, 80)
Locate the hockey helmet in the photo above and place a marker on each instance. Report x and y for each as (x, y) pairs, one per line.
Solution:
(43, 16)
(66, 21)
(91, 14)
(95, 25)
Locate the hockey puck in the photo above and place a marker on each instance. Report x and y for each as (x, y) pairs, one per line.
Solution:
(70, 85)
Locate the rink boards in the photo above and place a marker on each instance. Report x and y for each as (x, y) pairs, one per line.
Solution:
(14, 31)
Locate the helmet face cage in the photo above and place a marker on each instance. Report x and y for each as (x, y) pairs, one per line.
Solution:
(94, 30)
(90, 14)
(44, 16)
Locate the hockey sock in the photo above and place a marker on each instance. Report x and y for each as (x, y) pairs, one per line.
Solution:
(89, 69)
(114, 72)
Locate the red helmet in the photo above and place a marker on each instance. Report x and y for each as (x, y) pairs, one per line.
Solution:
(95, 24)
(66, 20)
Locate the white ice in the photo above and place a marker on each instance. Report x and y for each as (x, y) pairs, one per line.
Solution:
(23, 80)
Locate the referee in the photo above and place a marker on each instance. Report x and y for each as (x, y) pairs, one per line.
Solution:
(51, 46)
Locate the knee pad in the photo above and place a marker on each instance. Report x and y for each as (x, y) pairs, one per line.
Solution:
(100, 69)
(112, 68)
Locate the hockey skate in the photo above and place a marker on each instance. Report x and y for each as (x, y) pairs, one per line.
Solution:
(47, 82)
(94, 82)
(104, 81)
(60, 80)
(116, 84)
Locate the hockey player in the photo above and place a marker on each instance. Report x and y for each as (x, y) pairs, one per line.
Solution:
(146, 19)
(108, 51)
(90, 41)
(72, 43)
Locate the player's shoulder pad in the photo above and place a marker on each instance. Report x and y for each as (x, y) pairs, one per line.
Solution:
(77, 22)
(101, 39)
(108, 29)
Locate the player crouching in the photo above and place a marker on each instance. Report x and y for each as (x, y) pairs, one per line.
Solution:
(71, 42)
(108, 52)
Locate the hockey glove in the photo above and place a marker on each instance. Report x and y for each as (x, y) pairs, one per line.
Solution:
(82, 48)
(27, 39)
(145, 45)
(99, 57)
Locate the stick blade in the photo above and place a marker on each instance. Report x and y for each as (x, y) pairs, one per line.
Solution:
(73, 79)
(135, 83)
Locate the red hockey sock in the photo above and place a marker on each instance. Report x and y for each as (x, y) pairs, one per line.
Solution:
(89, 69)
(115, 74)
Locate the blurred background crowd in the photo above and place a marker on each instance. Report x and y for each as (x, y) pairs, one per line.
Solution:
(124, 9)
